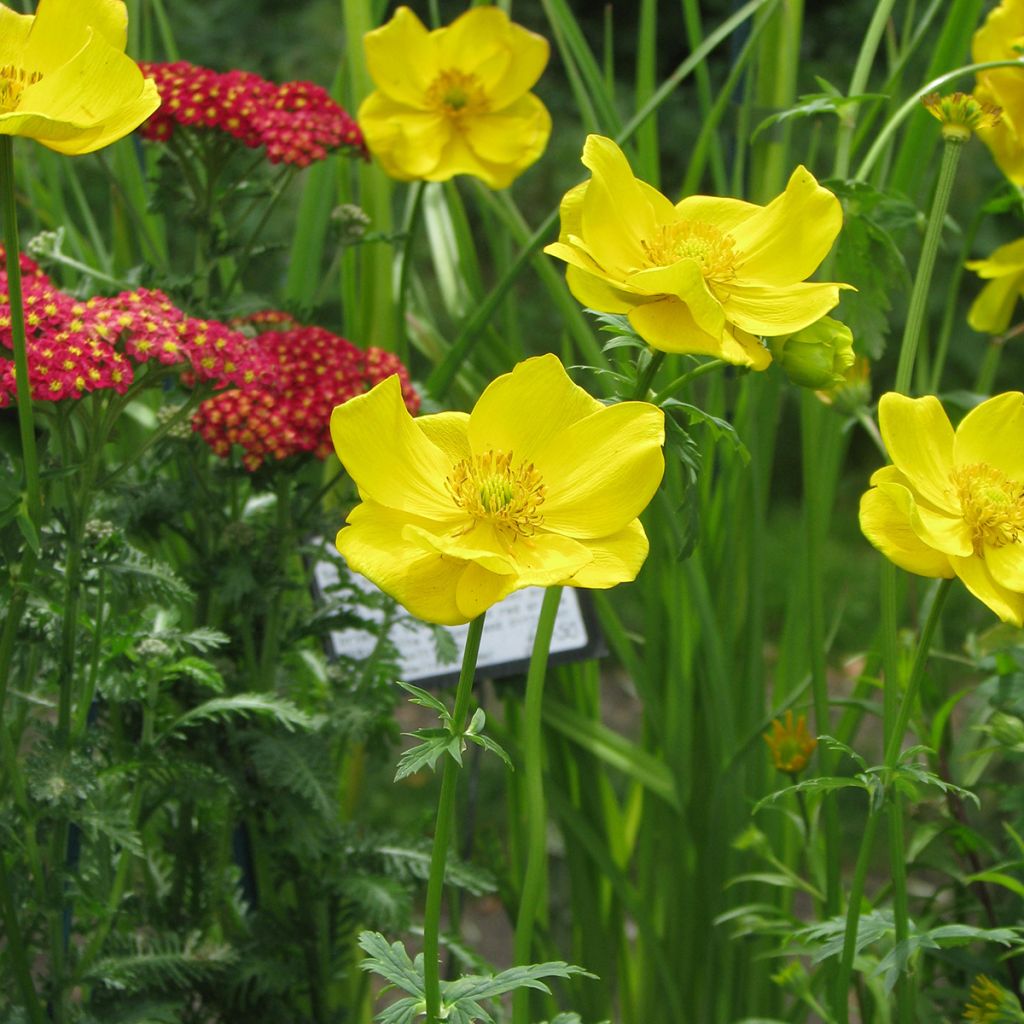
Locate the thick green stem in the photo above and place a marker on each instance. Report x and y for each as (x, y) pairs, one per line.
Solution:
(17, 953)
(532, 895)
(443, 830)
(926, 264)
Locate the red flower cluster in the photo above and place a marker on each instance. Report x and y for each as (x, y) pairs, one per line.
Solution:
(297, 122)
(77, 347)
(317, 370)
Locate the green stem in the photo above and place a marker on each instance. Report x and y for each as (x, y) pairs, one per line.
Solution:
(23, 385)
(532, 895)
(648, 374)
(18, 955)
(443, 829)
(989, 366)
(412, 224)
(683, 379)
(926, 264)
(858, 82)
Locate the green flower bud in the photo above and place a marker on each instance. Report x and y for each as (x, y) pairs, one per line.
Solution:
(816, 357)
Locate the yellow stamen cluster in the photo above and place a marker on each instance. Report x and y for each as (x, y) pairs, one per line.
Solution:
(457, 94)
(991, 1003)
(992, 505)
(13, 81)
(693, 240)
(961, 114)
(790, 743)
(490, 487)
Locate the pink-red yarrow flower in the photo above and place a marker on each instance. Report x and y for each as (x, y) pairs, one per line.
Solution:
(297, 122)
(75, 347)
(316, 370)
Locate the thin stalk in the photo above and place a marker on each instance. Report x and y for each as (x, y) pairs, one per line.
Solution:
(532, 894)
(12, 248)
(412, 223)
(989, 366)
(858, 83)
(443, 829)
(648, 374)
(926, 264)
(681, 381)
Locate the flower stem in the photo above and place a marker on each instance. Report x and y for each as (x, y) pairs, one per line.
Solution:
(412, 224)
(922, 280)
(648, 374)
(698, 371)
(989, 366)
(443, 829)
(532, 893)
(12, 249)
(18, 955)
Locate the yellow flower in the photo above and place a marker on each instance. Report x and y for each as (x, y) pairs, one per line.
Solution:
(65, 80)
(455, 100)
(960, 114)
(791, 745)
(539, 485)
(991, 311)
(992, 1004)
(952, 503)
(1001, 38)
(703, 276)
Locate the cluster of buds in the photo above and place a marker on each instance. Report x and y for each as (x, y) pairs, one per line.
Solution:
(76, 347)
(296, 122)
(315, 371)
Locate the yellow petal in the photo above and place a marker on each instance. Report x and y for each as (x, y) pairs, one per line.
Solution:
(786, 241)
(1007, 604)
(616, 212)
(1007, 259)
(423, 581)
(919, 440)
(723, 213)
(409, 143)
(402, 59)
(1003, 141)
(991, 311)
(889, 530)
(94, 99)
(685, 281)
(389, 457)
(597, 292)
(473, 39)
(993, 433)
(521, 411)
(616, 559)
(479, 543)
(779, 309)
(1006, 565)
(479, 590)
(14, 32)
(667, 325)
(945, 533)
(516, 135)
(449, 431)
(570, 211)
(458, 158)
(602, 471)
(530, 53)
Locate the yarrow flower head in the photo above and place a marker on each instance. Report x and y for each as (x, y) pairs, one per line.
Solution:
(539, 485)
(296, 122)
(75, 347)
(455, 100)
(992, 310)
(314, 370)
(990, 1003)
(1001, 37)
(952, 503)
(961, 114)
(704, 276)
(790, 743)
(65, 79)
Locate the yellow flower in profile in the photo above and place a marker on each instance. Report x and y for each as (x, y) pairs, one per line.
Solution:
(455, 100)
(960, 114)
(952, 502)
(990, 1003)
(790, 743)
(65, 79)
(539, 485)
(992, 310)
(1000, 38)
(705, 276)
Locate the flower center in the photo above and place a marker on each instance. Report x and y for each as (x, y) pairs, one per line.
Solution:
(456, 95)
(992, 505)
(13, 81)
(693, 240)
(490, 487)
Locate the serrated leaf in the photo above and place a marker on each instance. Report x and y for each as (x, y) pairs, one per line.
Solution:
(243, 705)
(423, 755)
(488, 744)
(825, 784)
(425, 700)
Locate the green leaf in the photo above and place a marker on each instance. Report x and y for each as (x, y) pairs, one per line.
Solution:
(425, 700)
(242, 705)
(825, 784)
(423, 755)
(488, 744)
